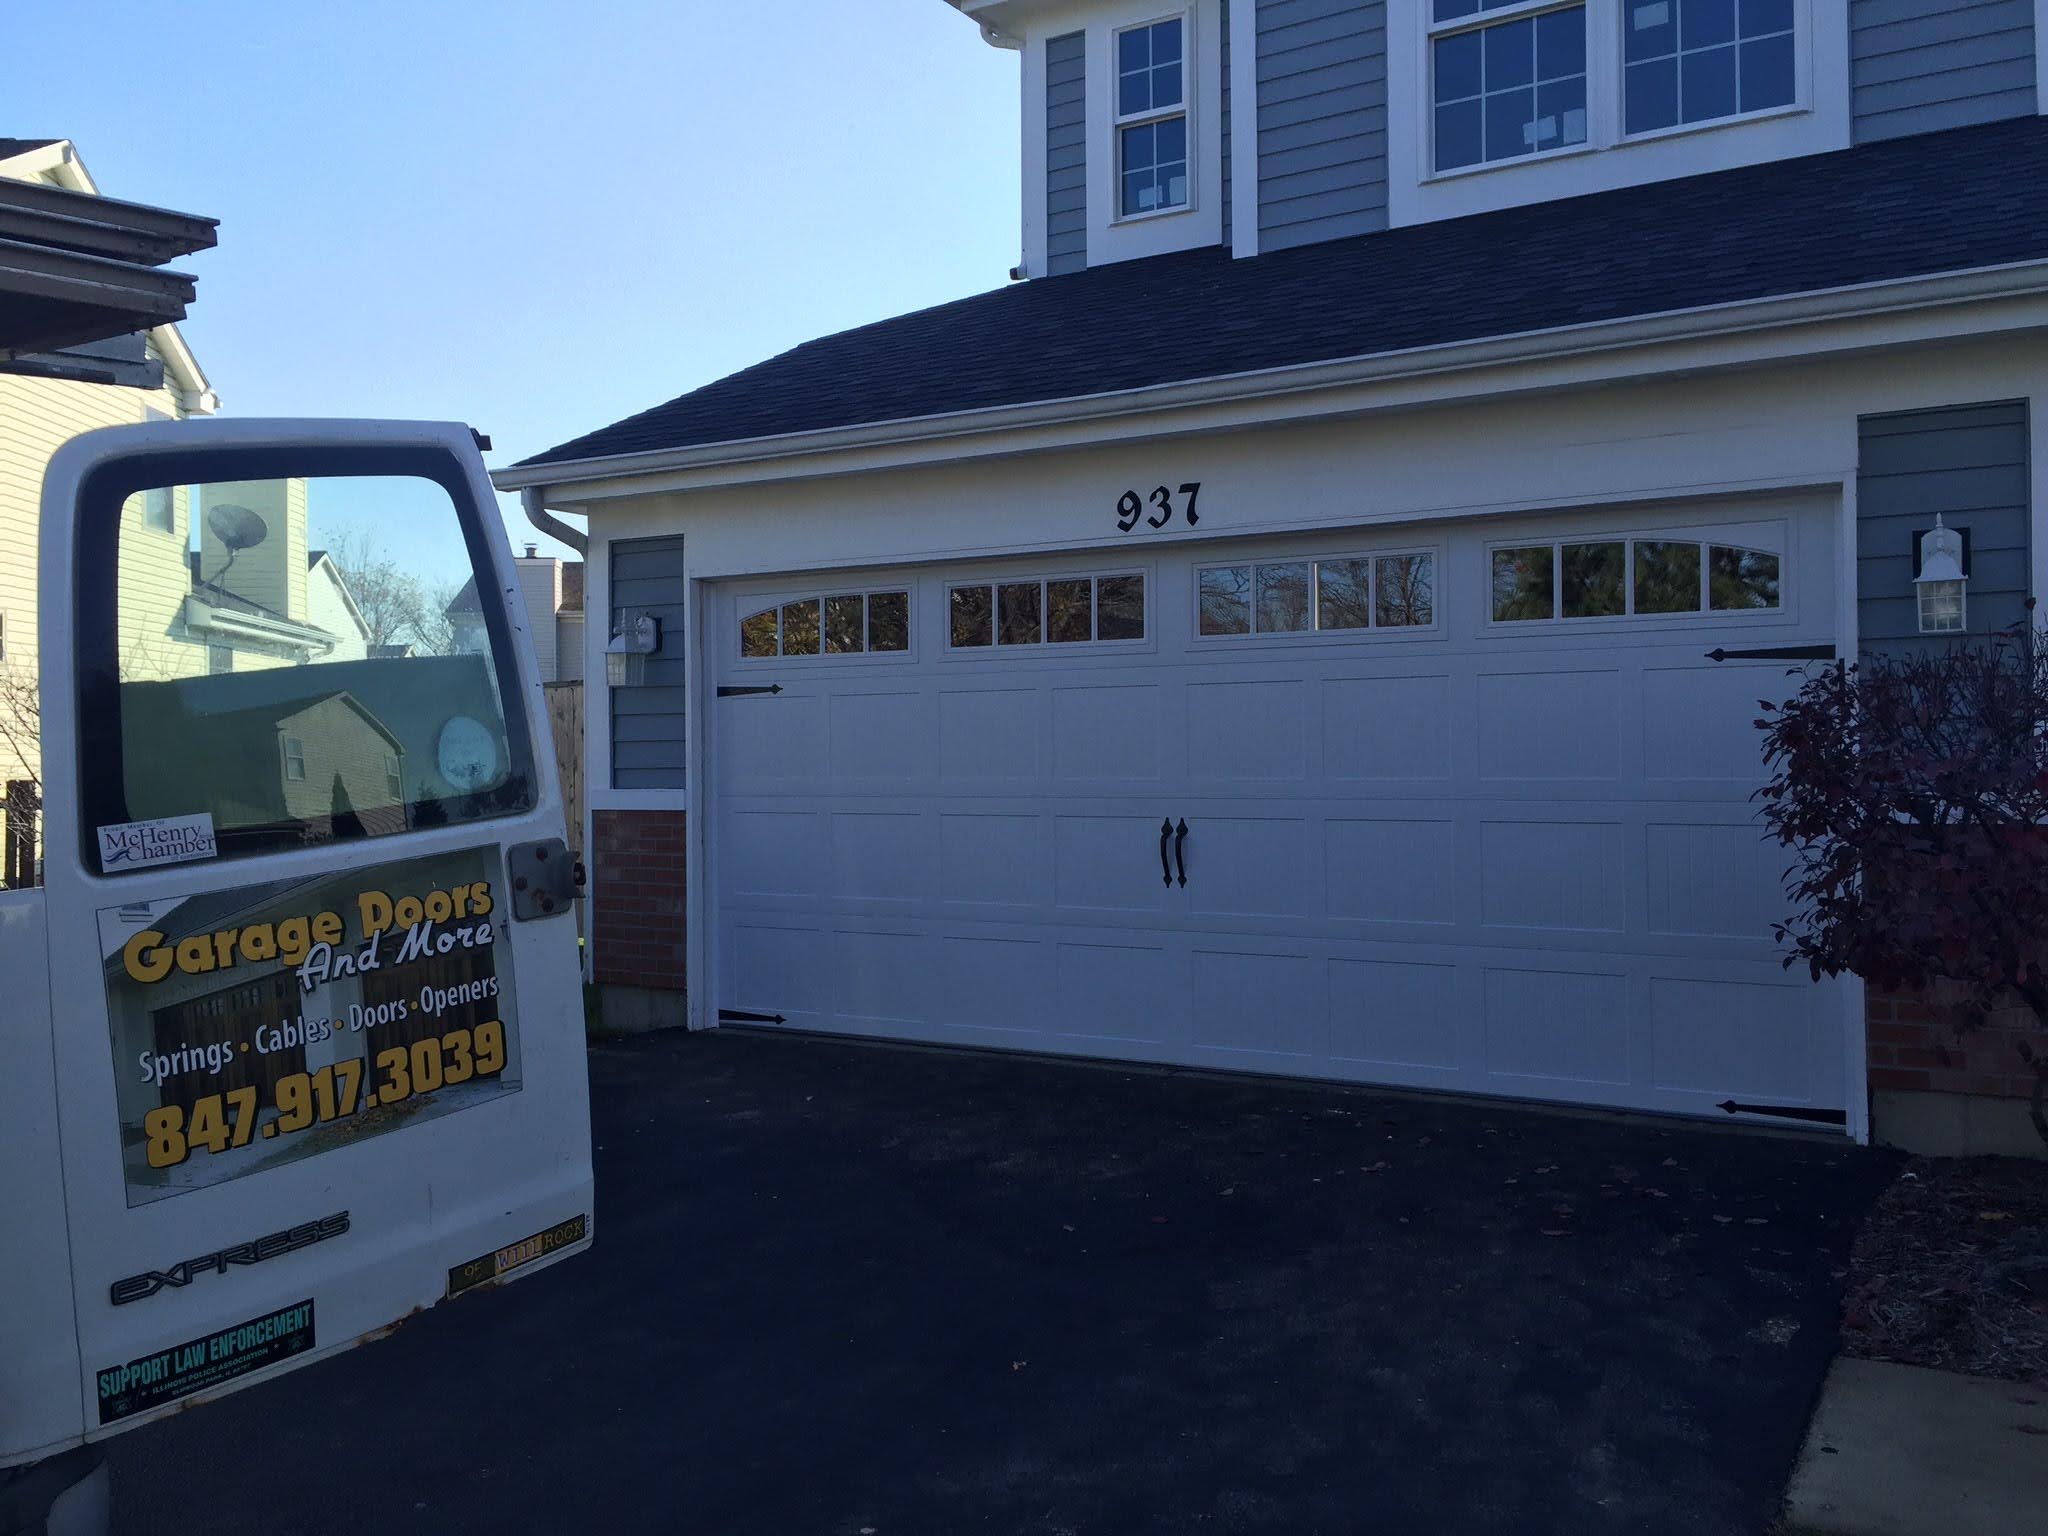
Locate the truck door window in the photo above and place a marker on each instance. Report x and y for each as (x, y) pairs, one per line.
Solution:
(306, 660)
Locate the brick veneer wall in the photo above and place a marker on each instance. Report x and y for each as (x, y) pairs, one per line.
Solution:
(1913, 1050)
(636, 898)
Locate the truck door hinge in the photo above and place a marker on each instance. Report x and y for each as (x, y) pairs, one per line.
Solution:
(544, 878)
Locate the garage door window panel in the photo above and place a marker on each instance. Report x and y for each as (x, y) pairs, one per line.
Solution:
(1595, 580)
(838, 624)
(1404, 591)
(1341, 594)
(1017, 613)
(1524, 583)
(800, 629)
(1741, 580)
(1632, 578)
(1667, 576)
(1070, 611)
(1062, 611)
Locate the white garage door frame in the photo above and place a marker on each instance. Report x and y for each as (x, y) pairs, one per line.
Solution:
(711, 610)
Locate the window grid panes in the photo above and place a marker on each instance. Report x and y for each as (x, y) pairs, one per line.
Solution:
(840, 624)
(1059, 610)
(1508, 87)
(1350, 592)
(1691, 61)
(1151, 113)
(1620, 578)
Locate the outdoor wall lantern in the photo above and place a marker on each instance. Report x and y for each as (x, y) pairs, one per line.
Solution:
(1939, 586)
(625, 658)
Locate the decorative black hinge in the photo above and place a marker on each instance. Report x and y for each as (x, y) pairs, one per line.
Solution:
(727, 691)
(741, 1016)
(1785, 1112)
(1776, 653)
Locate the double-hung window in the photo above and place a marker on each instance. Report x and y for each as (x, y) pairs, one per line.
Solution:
(1152, 117)
(1507, 79)
(1690, 61)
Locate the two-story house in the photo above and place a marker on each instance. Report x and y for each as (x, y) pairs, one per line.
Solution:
(1312, 619)
(38, 415)
(217, 579)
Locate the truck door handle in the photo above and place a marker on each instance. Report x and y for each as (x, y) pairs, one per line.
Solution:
(1180, 844)
(1165, 873)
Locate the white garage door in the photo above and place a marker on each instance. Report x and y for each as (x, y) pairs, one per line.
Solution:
(1458, 808)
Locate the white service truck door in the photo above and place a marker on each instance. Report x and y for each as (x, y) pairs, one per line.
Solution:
(296, 1045)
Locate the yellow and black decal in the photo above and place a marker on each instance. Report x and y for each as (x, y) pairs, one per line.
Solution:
(530, 1250)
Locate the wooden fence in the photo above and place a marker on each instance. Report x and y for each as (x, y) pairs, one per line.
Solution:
(565, 725)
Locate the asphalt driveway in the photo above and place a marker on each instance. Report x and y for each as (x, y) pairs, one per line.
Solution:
(841, 1289)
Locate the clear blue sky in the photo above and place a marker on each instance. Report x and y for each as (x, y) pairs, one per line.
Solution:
(535, 217)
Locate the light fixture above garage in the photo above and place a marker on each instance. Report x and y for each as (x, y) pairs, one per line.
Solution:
(633, 641)
(1941, 582)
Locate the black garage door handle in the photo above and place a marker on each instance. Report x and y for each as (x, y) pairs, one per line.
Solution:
(1180, 845)
(1165, 872)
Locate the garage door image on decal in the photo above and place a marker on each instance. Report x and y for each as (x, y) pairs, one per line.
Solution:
(257, 1025)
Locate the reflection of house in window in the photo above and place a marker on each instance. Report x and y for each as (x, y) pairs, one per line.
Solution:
(328, 764)
(267, 601)
(465, 615)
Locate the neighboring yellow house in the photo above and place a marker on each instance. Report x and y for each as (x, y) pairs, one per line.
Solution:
(39, 415)
(214, 579)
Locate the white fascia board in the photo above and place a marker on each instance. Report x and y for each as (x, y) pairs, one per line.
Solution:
(184, 368)
(1859, 317)
(45, 160)
(203, 618)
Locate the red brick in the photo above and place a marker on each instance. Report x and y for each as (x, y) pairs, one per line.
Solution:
(638, 897)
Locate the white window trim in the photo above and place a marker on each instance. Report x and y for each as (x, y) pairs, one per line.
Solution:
(1390, 633)
(1198, 222)
(1771, 539)
(1045, 646)
(1819, 119)
(1184, 109)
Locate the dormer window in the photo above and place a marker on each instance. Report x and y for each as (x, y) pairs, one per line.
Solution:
(1508, 79)
(1152, 118)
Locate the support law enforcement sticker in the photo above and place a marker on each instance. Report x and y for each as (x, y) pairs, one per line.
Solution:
(204, 1363)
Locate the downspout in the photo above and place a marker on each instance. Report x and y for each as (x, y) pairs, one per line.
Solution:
(531, 501)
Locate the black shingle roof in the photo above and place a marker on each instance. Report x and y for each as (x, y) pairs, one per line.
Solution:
(1970, 197)
(12, 147)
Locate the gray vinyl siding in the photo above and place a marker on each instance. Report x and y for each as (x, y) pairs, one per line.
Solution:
(647, 720)
(1966, 462)
(1322, 74)
(1920, 65)
(1066, 153)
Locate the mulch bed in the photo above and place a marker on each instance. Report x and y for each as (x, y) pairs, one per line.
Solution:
(1951, 1270)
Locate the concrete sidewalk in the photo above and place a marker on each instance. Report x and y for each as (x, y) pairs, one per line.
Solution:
(1896, 1450)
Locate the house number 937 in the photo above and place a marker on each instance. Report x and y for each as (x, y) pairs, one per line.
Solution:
(1158, 509)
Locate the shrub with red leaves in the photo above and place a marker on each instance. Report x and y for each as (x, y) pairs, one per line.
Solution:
(1913, 791)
